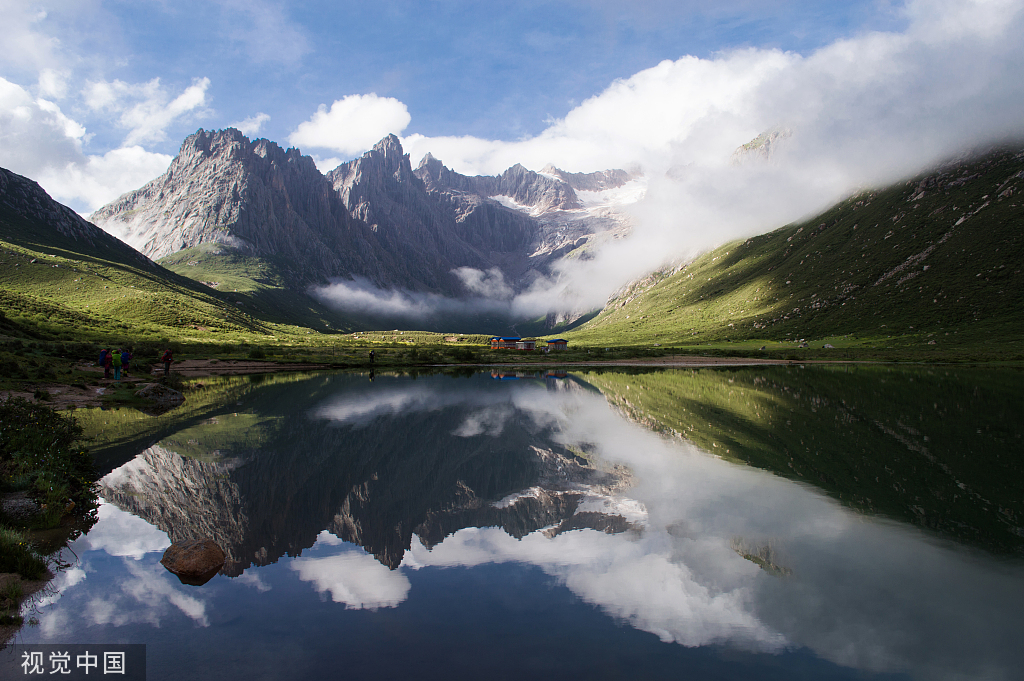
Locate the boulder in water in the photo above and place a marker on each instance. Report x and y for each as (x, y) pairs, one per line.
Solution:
(195, 561)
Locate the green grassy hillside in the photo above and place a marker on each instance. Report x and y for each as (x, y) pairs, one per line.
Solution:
(930, 263)
(937, 447)
(52, 285)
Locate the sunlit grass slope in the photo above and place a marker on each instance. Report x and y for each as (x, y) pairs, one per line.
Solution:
(57, 286)
(937, 258)
(938, 447)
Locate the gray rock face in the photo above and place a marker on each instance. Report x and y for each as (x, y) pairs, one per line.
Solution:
(763, 147)
(591, 182)
(252, 196)
(429, 234)
(371, 217)
(522, 186)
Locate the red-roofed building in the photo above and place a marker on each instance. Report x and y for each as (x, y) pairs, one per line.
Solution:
(504, 342)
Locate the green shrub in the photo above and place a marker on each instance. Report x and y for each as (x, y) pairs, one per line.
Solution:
(42, 445)
(257, 352)
(18, 556)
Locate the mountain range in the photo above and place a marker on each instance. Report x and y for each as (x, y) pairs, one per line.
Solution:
(373, 221)
(243, 235)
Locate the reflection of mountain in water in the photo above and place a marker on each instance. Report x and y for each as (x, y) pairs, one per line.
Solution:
(391, 460)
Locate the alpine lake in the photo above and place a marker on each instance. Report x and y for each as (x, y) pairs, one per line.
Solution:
(784, 522)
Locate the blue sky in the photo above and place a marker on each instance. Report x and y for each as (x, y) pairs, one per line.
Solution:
(463, 67)
(496, 71)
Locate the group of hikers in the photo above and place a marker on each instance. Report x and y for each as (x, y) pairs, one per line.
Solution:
(119, 362)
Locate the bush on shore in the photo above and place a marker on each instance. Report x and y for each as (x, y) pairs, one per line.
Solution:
(40, 454)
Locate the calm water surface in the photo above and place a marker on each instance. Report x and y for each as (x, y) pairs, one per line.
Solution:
(778, 523)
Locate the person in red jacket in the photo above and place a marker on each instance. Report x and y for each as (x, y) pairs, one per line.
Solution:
(167, 359)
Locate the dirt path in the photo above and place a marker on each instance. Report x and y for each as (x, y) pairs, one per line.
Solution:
(191, 368)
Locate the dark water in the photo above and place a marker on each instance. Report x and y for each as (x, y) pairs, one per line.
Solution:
(754, 523)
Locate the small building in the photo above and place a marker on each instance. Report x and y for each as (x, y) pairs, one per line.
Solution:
(528, 344)
(504, 342)
(557, 344)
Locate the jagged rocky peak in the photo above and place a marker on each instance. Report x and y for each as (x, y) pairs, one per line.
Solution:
(764, 146)
(591, 182)
(208, 194)
(521, 186)
(360, 180)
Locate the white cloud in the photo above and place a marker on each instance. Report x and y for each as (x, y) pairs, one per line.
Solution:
(356, 579)
(53, 83)
(251, 125)
(265, 31)
(359, 296)
(22, 44)
(38, 140)
(353, 124)
(96, 180)
(146, 109)
(490, 284)
(72, 129)
(35, 133)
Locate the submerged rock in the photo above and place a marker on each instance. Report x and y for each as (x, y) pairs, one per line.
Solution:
(160, 394)
(195, 561)
(18, 506)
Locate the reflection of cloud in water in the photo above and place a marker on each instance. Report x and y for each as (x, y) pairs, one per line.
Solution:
(857, 591)
(490, 421)
(151, 586)
(631, 580)
(147, 584)
(123, 534)
(252, 578)
(354, 578)
(62, 582)
(360, 407)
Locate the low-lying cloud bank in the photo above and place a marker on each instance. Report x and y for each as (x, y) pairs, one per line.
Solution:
(863, 112)
(487, 295)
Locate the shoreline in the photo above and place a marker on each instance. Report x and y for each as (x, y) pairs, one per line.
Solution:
(64, 396)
